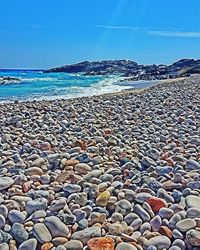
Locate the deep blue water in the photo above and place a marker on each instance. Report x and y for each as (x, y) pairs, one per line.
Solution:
(39, 86)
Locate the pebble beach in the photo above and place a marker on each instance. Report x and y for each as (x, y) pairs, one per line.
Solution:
(109, 172)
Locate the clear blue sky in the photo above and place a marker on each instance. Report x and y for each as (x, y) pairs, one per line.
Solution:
(47, 33)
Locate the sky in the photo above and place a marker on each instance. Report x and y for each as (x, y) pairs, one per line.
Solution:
(42, 34)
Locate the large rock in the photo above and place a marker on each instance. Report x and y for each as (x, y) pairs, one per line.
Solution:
(56, 227)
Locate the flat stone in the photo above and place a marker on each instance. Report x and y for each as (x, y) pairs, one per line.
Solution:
(59, 241)
(192, 165)
(56, 227)
(4, 246)
(82, 168)
(102, 243)
(74, 245)
(38, 214)
(5, 182)
(71, 188)
(19, 233)
(85, 235)
(192, 201)
(193, 212)
(16, 216)
(41, 233)
(34, 171)
(160, 242)
(30, 244)
(123, 246)
(185, 225)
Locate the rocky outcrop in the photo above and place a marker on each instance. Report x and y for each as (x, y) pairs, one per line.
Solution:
(127, 68)
(8, 80)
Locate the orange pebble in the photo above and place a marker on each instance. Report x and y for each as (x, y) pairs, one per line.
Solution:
(81, 144)
(47, 246)
(166, 231)
(102, 243)
(156, 203)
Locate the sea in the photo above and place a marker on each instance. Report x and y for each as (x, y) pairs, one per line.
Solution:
(36, 85)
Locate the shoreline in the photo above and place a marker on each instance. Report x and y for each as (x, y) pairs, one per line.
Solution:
(125, 91)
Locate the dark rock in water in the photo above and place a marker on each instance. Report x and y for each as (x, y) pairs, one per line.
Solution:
(131, 70)
(8, 80)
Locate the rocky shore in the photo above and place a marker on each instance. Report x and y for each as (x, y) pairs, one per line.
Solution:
(132, 70)
(118, 171)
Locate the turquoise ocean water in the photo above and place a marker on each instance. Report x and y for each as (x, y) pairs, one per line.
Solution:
(36, 85)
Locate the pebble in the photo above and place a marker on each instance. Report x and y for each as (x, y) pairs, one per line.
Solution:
(28, 244)
(185, 225)
(4, 246)
(123, 207)
(103, 243)
(193, 212)
(2, 221)
(37, 204)
(156, 223)
(82, 168)
(160, 242)
(192, 165)
(102, 199)
(41, 233)
(56, 227)
(193, 237)
(85, 235)
(5, 182)
(142, 213)
(19, 233)
(16, 216)
(127, 246)
(192, 201)
(74, 245)
(34, 171)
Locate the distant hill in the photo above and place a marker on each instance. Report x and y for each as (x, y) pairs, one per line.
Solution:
(131, 69)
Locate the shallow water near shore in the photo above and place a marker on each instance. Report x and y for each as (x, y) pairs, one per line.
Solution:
(35, 85)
